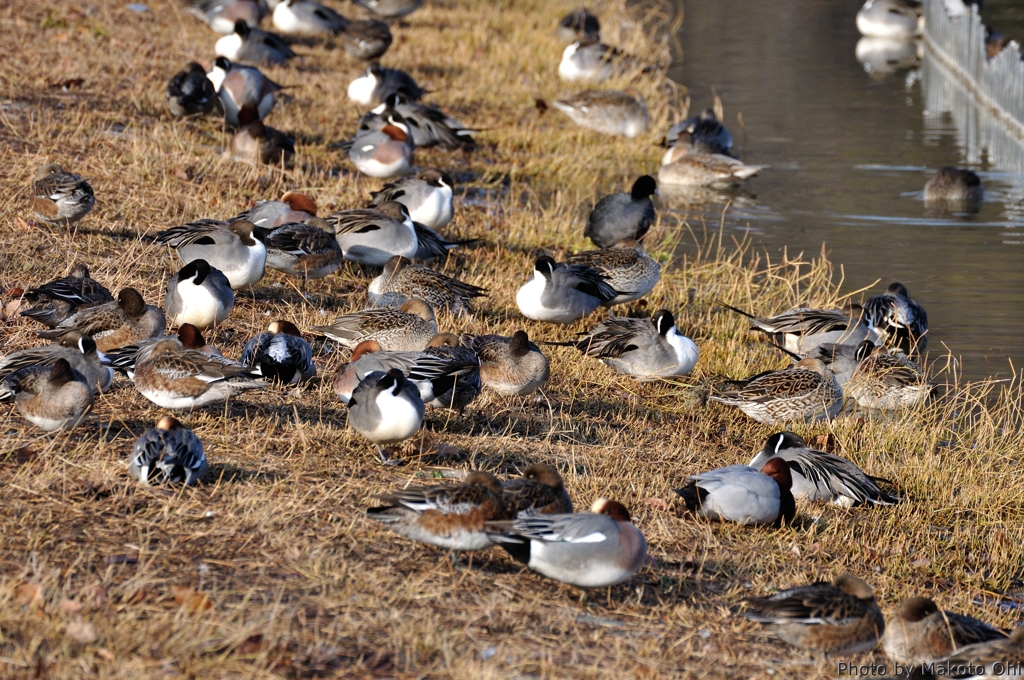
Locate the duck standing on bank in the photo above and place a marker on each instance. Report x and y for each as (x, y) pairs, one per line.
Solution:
(386, 408)
(168, 453)
(563, 293)
(199, 295)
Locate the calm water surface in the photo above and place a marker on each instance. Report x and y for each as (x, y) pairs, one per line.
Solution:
(850, 152)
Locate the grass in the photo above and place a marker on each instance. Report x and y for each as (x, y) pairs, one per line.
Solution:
(270, 570)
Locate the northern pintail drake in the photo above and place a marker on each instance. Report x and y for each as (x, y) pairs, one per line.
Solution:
(563, 293)
(124, 359)
(221, 15)
(887, 381)
(898, 319)
(611, 112)
(991, 660)
(374, 85)
(390, 9)
(280, 354)
(114, 324)
(199, 295)
(802, 329)
(465, 385)
(76, 348)
(452, 516)
(625, 266)
(647, 349)
(427, 196)
(841, 618)
(683, 165)
(590, 549)
(539, 491)
(307, 17)
(293, 207)
(383, 147)
(955, 187)
(593, 61)
(899, 19)
(367, 39)
(579, 25)
(60, 197)
(306, 250)
(433, 373)
(244, 91)
(819, 476)
(57, 300)
(169, 453)
(623, 215)
(176, 378)
(386, 409)
(402, 280)
(428, 125)
(259, 143)
(920, 633)
(741, 494)
(511, 366)
(407, 329)
(431, 246)
(253, 46)
(372, 236)
(706, 133)
(236, 249)
(190, 92)
(805, 391)
(51, 397)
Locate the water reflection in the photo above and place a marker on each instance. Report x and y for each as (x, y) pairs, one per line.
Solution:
(882, 56)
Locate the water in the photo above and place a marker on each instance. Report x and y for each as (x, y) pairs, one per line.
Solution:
(850, 154)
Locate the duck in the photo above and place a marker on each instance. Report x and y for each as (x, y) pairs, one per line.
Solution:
(372, 236)
(306, 250)
(743, 495)
(237, 249)
(955, 187)
(683, 165)
(450, 516)
(801, 330)
(374, 85)
(60, 197)
(259, 143)
(281, 354)
(57, 300)
(221, 15)
(989, 660)
(386, 409)
(841, 618)
(428, 125)
(176, 378)
(592, 549)
(114, 324)
(805, 391)
(407, 329)
(254, 46)
(822, 477)
(623, 215)
(511, 366)
(168, 453)
(579, 25)
(610, 112)
(431, 246)
(383, 149)
(390, 9)
(294, 207)
(920, 633)
(427, 196)
(539, 491)
(563, 293)
(307, 17)
(402, 280)
(124, 359)
(900, 19)
(593, 61)
(78, 349)
(190, 92)
(199, 295)
(367, 39)
(54, 397)
(463, 387)
(898, 319)
(625, 266)
(707, 134)
(887, 381)
(647, 349)
(244, 92)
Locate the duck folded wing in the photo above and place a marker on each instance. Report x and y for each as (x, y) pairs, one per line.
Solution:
(588, 281)
(817, 604)
(199, 232)
(457, 500)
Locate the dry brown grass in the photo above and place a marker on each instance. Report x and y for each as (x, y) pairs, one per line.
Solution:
(270, 570)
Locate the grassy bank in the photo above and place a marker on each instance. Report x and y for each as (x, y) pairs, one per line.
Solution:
(271, 570)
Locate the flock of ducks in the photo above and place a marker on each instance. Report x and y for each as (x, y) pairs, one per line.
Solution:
(401, 362)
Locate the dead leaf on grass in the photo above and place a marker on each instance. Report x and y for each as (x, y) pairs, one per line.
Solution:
(69, 607)
(251, 645)
(191, 600)
(658, 504)
(82, 631)
(29, 594)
